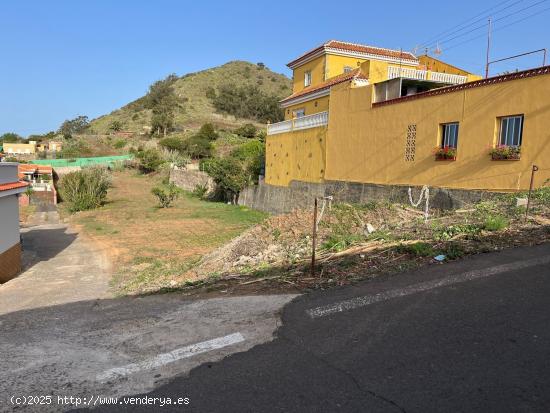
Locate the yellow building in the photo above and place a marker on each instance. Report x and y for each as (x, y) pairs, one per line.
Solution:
(20, 148)
(395, 119)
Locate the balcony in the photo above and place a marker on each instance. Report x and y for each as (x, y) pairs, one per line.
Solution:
(303, 122)
(395, 72)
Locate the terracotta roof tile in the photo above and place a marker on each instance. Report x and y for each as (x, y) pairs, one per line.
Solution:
(12, 185)
(356, 48)
(354, 74)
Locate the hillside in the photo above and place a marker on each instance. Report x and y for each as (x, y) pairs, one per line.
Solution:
(197, 108)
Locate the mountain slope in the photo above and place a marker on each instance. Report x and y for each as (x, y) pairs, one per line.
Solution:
(197, 108)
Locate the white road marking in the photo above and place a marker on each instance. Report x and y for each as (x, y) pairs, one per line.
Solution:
(363, 301)
(172, 356)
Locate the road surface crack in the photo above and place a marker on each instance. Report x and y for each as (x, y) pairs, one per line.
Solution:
(346, 373)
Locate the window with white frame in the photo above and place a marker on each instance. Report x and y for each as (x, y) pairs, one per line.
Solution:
(298, 113)
(511, 130)
(449, 135)
(307, 78)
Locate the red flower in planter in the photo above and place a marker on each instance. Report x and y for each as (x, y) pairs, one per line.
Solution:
(445, 153)
(505, 152)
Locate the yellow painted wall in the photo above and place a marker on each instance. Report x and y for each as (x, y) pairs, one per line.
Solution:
(367, 144)
(19, 148)
(298, 155)
(310, 108)
(317, 67)
(436, 65)
(335, 64)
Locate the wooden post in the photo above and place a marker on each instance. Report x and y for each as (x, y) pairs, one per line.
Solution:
(535, 169)
(314, 238)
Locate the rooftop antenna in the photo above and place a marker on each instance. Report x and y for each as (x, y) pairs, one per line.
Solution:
(489, 29)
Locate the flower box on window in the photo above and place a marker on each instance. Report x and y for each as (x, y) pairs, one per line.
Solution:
(505, 153)
(445, 153)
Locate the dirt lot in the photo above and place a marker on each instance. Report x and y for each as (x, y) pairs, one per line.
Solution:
(151, 248)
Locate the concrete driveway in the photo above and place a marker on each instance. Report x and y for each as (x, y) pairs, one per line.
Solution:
(59, 266)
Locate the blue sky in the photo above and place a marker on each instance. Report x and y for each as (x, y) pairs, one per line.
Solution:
(65, 58)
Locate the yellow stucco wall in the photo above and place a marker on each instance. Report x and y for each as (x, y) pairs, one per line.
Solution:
(298, 155)
(367, 144)
(317, 68)
(309, 107)
(19, 148)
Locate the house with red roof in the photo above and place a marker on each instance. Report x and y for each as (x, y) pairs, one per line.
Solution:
(10, 247)
(41, 180)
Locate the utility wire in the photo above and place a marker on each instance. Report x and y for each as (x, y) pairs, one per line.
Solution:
(459, 27)
(538, 13)
(484, 26)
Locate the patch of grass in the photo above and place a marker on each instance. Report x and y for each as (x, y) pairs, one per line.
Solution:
(341, 241)
(495, 223)
(420, 249)
(446, 232)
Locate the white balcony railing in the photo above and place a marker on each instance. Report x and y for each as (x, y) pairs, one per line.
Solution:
(448, 78)
(303, 122)
(408, 73)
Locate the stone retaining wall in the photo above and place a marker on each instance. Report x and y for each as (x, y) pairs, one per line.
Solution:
(280, 199)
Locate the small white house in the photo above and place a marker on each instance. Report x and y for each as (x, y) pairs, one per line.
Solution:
(10, 247)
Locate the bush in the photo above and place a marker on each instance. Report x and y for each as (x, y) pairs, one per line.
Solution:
(198, 147)
(74, 149)
(200, 191)
(85, 189)
(121, 143)
(252, 155)
(228, 174)
(166, 194)
(173, 143)
(248, 130)
(208, 132)
(149, 160)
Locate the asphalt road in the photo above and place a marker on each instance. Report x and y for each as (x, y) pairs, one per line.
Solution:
(470, 336)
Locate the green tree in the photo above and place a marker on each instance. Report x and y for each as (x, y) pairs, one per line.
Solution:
(162, 101)
(229, 176)
(173, 143)
(166, 194)
(115, 126)
(11, 137)
(198, 147)
(74, 126)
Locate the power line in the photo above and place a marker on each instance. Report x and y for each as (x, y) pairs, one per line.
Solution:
(483, 13)
(499, 28)
(494, 21)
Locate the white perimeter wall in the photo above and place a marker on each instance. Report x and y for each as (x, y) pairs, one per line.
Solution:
(9, 222)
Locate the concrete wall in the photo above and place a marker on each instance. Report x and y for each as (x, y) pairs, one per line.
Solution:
(300, 195)
(298, 155)
(189, 179)
(9, 222)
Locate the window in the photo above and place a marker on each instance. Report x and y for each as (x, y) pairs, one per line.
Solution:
(511, 130)
(307, 78)
(449, 135)
(298, 113)
(347, 69)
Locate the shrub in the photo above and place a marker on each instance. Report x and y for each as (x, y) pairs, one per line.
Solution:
(420, 249)
(121, 143)
(173, 143)
(197, 147)
(149, 160)
(175, 158)
(248, 130)
(85, 189)
(495, 223)
(74, 149)
(200, 191)
(208, 132)
(166, 194)
(228, 174)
